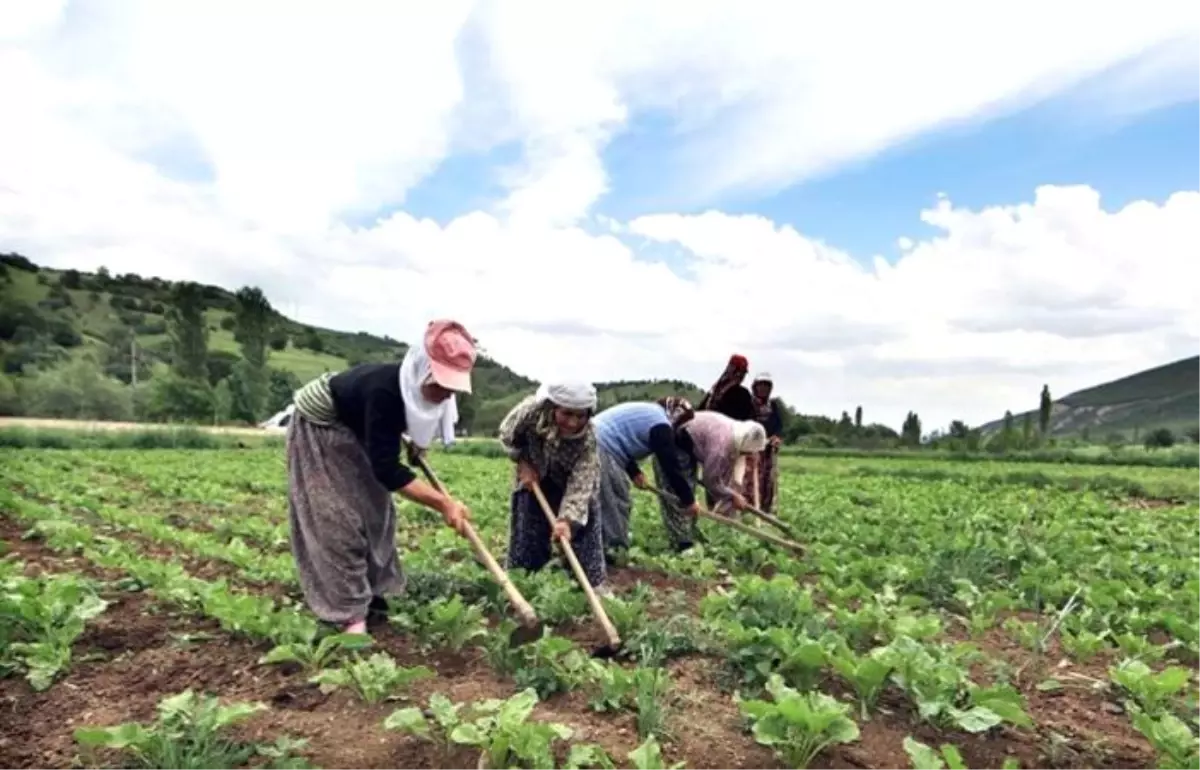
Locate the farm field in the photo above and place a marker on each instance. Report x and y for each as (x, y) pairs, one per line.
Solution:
(946, 614)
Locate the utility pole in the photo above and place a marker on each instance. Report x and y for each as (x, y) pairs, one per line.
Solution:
(133, 362)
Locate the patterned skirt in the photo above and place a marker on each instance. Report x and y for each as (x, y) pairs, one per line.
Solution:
(529, 546)
(768, 481)
(342, 522)
(681, 528)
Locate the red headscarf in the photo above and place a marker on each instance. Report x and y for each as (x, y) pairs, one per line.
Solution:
(735, 370)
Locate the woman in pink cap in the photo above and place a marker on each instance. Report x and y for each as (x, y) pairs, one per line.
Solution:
(343, 451)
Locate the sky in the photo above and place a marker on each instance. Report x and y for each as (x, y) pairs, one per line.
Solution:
(932, 206)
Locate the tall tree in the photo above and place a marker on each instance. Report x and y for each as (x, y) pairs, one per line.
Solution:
(1044, 411)
(910, 432)
(858, 417)
(254, 319)
(188, 331)
(1008, 432)
(1026, 431)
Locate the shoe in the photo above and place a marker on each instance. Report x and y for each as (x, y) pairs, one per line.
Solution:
(378, 609)
(604, 591)
(355, 627)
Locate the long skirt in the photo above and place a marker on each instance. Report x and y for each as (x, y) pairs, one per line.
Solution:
(529, 544)
(681, 527)
(343, 523)
(768, 479)
(614, 500)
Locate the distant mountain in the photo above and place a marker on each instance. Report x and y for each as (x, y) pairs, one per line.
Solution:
(1164, 397)
(49, 317)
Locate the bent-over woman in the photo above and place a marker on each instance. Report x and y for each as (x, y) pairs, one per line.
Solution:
(721, 447)
(627, 434)
(343, 457)
(768, 414)
(550, 437)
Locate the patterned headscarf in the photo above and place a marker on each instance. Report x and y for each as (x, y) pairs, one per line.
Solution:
(679, 410)
(734, 371)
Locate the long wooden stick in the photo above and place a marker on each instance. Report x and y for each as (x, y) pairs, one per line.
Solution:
(614, 639)
(757, 533)
(523, 608)
(754, 476)
(774, 522)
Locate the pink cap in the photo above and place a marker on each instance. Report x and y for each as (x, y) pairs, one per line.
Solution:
(451, 352)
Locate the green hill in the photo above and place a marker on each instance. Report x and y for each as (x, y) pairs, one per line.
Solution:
(1166, 396)
(50, 318)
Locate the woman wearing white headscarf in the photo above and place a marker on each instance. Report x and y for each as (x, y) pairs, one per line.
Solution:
(550, 437)
(343, 455)
(722, 447)
(768, 414)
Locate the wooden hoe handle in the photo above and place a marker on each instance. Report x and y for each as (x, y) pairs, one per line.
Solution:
(610, 631)
(523, 608)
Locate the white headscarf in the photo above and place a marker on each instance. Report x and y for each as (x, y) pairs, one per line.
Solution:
(424, 418)
(749, 436)
(573, 395)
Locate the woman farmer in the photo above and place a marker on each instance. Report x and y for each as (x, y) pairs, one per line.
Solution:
(767, 413)
(550, 437)
(722, 447)
(343, 453)
(728, 395)
(627, 434)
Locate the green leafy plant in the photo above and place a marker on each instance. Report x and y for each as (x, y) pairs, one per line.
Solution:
(190, 732)
(1152, 692)
(373, 679)
(1175, 744)
(316, 655)
(499, 729)
(648, 756)
(798, 726)
(40, 618)
(445, 622)
(947, 757)
(867, 674)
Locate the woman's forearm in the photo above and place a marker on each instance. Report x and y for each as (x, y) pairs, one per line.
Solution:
(425, 494)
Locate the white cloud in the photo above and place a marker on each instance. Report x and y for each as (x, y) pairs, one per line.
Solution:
(327, 114)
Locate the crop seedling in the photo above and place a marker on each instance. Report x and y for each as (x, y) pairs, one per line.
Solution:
(640, 690)
(648, 756)
(798, 726)
(1152, 692)
(867, 674)
(373, 679)
(40, 618)
(499, 729)
(317, 655)
(443, 622)
(190, 732)
(934, 678)
(947, 757)
(1173, 741)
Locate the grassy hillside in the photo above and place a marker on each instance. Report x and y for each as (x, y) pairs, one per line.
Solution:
(1163, 397)
(50, 317)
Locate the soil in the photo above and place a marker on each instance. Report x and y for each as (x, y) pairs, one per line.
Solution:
(139, 651)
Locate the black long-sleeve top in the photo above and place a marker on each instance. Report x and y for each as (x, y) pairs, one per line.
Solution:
(736, 403)
(773, 423)
(662, 444)
(369, 403)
